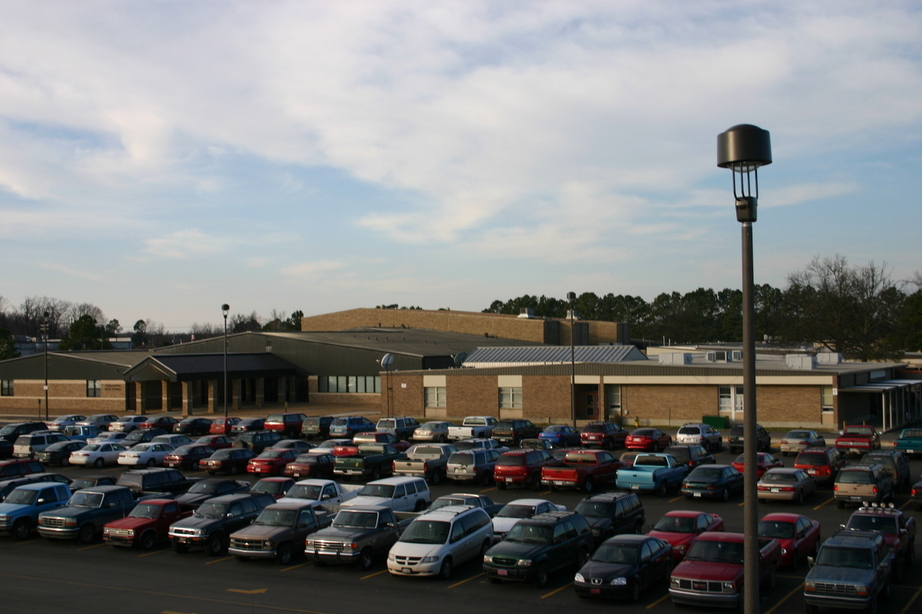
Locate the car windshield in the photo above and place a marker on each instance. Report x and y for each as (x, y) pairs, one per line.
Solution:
(273, 487)
(716, 552)
(91, 448)
(578, 458)
(461, 458)
(304, 491)
(593, 428)
(776, 529)
(779, 477)
(211, 510)
(339, 422)
(446, 502)
(378, 490)
(305, 458)
(799, 435)
(359, 520)
(855, 477)
(856, 558)
(529, 533)
(272, 453)
(555, 429)
(681, 453)
(86, 499)
(881, 524)
(705, 474)
(222, 454)
(644, 433)
(689, 430)
(145, 510)
(387, 424)
(858, 430)
(204, 487)
(513, 510)
(675, 524)
(426, 532)
(22, 496)
(596, 509)
(618, 554)
(277, 518)
(8, 430)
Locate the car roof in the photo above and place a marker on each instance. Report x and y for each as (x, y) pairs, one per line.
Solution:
(785, 517)
(684, 513)
(527, 501)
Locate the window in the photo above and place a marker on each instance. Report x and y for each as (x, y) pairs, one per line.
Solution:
(510, 398)
(435, 396)
(730, 398)
(6, 388)
(827, 395)
(93, 388)
(350, 383)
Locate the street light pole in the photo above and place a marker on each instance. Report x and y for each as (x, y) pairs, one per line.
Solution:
(45, 340)
(743, 149)
(571, 298)
(225, 308)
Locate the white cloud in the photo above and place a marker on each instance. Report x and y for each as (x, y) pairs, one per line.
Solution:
(185, 244)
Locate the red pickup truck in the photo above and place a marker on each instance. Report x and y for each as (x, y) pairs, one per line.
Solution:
(148, 523)
(583, 470)
(712, 572)
(858, 439)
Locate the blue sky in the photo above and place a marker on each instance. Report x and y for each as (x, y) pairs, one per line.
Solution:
(160, 158)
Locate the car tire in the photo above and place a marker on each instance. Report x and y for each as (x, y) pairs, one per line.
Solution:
(725, 495)
(420, 505)
(65, 462)
(800, 497)
(634, 595)
(151, 462)
(365, 559)
(446, 569)
(284, 553)
(99, 463)
(486, 478)
(232, 470)
(215, 545)
(541, 576)
(587, 485)
(147, 541)
(22, 529)
(663, 489)
(375, 474)
(86, 534)
(180, 548)
(501, 485)
(436, 478)
(536, 481)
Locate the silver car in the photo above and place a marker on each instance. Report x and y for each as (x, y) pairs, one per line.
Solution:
(798, 440)
(700, 435)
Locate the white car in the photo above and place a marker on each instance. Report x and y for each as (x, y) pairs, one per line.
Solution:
(173, 440)
(437, 541)
(515, 511)
(99, 420)
(145, 454)
(97, 454)
(67, 420)
(126, 424)
(108, 437)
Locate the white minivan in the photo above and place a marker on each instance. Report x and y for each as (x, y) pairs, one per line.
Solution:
(437, 541)
(401, 494)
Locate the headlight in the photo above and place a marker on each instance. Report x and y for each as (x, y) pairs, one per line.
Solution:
(488, 558)
(619, 582)
(524, 563)
(729, 586)
(198, 532)
(673, 581)
(4, 518)
(579, 578)
(70, 522)
(268, 544)
(429, 559)
(810, 585)
(391, 557)
(784, 551)
(130, 533)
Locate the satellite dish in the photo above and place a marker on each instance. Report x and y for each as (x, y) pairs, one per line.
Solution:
(387, 360)
(460, 357)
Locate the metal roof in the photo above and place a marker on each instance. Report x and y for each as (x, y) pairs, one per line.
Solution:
(542, 355)
(189, 367)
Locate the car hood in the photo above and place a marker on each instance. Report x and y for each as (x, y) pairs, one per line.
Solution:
(343, 533)
(131, 522)
(260, 531)
(704, 570)
(607, 571)
(12, 508)
(366, 500)
(676, 539)
(414, 550)
(597, 522)
(191, 499)
(520, 550)
(196, 522)
(849, 575)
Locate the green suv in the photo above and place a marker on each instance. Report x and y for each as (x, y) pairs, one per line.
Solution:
(538, 546)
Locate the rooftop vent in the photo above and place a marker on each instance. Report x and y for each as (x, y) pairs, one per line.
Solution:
(527, 313)
(829, 358)
(800, 361)
(675, 358)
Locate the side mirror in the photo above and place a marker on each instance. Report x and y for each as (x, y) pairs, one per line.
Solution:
(811, 561)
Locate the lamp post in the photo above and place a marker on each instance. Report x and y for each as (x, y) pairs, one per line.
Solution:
(571, 298)
(225, 308)
(743, 149)
(45, 340)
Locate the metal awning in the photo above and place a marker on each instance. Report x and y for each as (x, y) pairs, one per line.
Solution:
(883, 386)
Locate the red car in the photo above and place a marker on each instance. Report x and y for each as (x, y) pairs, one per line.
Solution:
(148, 523)
(799, 536)
(167, 423)
(271, 461)
(682, 527)
(188, 456)
(287, 425)
(822, 463)
(310, 466)
(648, 440)
(765, 461)
(277, 487)
(522, 467)
(222, 426)
(216, 442)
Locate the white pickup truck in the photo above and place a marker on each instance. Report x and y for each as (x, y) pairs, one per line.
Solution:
(321, 492)
(473, 427)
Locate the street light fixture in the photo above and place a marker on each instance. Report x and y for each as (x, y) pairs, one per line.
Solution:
(743, 149)
(571, 297)
(225, 308)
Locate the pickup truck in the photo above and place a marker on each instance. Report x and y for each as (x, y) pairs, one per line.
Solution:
(712, 572)
(850, 572)
(86, 513)
(583, 470)
(19, 511)
(898, 530)
(357, 535)
(320, 492)
(426, 460)
(473, 427)
(278, 532)
(148, 523)
(371, 461)
(858, 439)
(910, 442)
(215, 519)
(652, 472)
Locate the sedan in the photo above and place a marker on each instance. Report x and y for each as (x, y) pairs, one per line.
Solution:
(248, 424)
(764, 462)
(126, 424)
(145, 455)
(228, 460)
(298, 445)
(310, 466)
(194, 427)
(67, 420)
(682, 527)
(141, 436)
(223, 426)
(216, 442)
(798, 535)
(188, 456)
(101, 421)
(786, 484)
(648, 440)
(97, 454)
(712, 482)
(271, 461)
(432, 431)
(561, 435)
(328, 446)
(799, 440)
(108, 437)
(59, 452)
(167, 423)
(623, 566)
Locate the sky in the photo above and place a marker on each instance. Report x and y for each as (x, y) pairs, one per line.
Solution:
(161, 158)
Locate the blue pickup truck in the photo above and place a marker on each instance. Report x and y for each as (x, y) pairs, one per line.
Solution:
(652, 473)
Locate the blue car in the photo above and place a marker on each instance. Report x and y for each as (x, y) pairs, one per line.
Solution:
(560, 435)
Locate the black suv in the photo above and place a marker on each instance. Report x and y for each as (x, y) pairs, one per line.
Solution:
(149, 481)
(213, 522)
(538, 546)
(257, 440)
(612, 513)
(11, 432)
(512, 432)
(736, 439)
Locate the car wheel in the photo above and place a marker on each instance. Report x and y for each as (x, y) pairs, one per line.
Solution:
(365, 559)
(486, 478)
(536, 481)
(22, 529)
(445, 569)
(215, 545)
(587, 485)
(151, 462)
(376, 474)
(148, 539)
(436, 477)
(663, 488)
(65, 462)
(284, 554)
(501, 485)
(180, 548)
(420, 505)
(635, 591)
(800, 497)
(99, 463)
(87, 534)
(725, 495)
(232, 470)
(541, 574)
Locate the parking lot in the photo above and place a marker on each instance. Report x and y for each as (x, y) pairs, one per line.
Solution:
(47, 576)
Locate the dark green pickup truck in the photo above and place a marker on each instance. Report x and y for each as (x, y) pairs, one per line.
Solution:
(372, 461)
(86, 513)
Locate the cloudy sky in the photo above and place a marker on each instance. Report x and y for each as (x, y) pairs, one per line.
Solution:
(159, 158)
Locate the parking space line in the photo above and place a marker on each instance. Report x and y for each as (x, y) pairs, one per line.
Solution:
(377, 573)
(466, 580)
(91, 547)
(293, 567)
(567, 585)
(785, 598)
(154, 552)
(911, 601)
(488, 489)
(674, 500)
(824, 503)
(227, 558)
(658, 601)
(905, 504)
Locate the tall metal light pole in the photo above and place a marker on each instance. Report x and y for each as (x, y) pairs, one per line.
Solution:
(743, 149)
(45, 340)
(225, 308)
(571, 298)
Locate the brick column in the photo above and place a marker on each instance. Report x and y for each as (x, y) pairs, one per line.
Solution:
(188, 400)
(212, 396)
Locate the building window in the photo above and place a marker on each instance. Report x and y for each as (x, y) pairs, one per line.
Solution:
(827, 398)
(93, 388)
(510, 398)
(435, 396)
(730, 399)
(349, 383)
(6, 388)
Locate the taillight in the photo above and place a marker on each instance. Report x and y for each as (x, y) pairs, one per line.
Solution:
(875, 490)
(835, 487)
